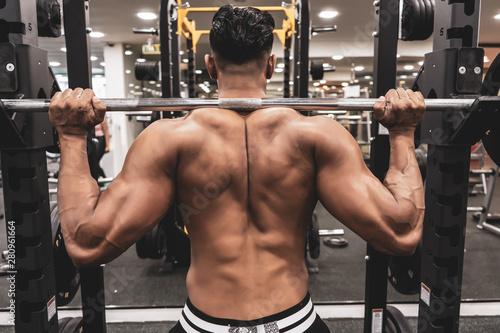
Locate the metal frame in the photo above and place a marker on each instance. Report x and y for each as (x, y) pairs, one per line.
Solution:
(24, 172)
(76, 17)
(384, 73)
(448, 71)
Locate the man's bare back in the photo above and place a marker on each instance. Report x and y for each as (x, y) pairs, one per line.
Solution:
(246, 190)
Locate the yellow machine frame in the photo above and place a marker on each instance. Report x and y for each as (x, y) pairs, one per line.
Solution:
(187, 28)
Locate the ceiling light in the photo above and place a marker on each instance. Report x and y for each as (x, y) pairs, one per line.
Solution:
(409, 67)
(128, 52)
(338, 57)
(356, 81)
(415, 74)
(152, 82)
(280, 65)
(96, 34)
(420, 63)
(141, 60)
(497, 17)
(398, 55)
(54, 64)
(185, 61)
(368, 77)
(131, 85)
(316, 84)
(326, 64)
(291, 83)
(322, 81)
(345, 84)
(371, 83)
(63, 49)
(93, 58)
(103, 64)
(278, 70)
(128, 71)
(198, 71)
(359, 68)
(181, 52)
(147, 16)
(328, 14)
(404, 77)
(158, 85)
(280, 89)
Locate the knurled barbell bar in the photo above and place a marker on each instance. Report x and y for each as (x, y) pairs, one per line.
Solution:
(242, 104)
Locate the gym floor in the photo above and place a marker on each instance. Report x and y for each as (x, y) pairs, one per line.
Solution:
(137, 283)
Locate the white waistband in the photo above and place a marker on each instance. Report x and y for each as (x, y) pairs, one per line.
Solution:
(307, 315)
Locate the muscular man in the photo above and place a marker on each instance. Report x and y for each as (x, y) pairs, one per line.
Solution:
(246, 184)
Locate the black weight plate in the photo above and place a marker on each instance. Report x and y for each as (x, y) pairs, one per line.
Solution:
(313, 237)
(421, 155)
(404, 272)
(396, 322)
(71, 325)
(141, 248)
(491, 143)
(411, 18)
(317, 71)
(429, 19)
(67, 275)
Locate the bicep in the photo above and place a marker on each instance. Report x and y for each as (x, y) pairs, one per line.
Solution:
(347, 188)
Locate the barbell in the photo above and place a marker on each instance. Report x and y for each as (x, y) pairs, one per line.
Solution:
(242, 104)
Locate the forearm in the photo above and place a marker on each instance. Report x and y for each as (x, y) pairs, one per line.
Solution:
(404, 181)
(77, 195)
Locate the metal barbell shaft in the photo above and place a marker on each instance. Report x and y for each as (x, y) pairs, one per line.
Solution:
(237, 104)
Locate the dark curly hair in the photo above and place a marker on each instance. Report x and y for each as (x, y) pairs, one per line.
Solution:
(239, 35)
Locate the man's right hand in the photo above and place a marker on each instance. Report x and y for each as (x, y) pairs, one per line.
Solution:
(75, 112)
(400, 110)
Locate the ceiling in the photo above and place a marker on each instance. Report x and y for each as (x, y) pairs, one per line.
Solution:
(353, 38)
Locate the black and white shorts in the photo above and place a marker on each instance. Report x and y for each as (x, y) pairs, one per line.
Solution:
(300, 318)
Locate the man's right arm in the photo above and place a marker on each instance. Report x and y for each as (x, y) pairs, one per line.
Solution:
(389, 216)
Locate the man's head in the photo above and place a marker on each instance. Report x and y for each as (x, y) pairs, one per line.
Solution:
(241, 40)
(239, 35)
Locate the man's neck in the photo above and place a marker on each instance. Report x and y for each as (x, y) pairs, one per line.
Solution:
(241, 87)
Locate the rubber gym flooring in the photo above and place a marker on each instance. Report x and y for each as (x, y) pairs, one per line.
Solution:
(130, 281)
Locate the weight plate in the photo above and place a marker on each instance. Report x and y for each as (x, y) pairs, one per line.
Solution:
(71, 325)
(396, 322)
(404, 272)
(313, 237)
(141, 248)
(67, 275)
(491, 143)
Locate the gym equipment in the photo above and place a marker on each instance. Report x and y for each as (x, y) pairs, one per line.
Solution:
(71, 325)
(318, 70)
(147, 71)
(49, 17)
(153, 244)
(404, 272)
(246, 104)
(335, 242)
(421, 155)
(313, 237)
(417, 20)
(396, 322)
(67, 275)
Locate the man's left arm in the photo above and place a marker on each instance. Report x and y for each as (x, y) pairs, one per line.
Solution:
(98, 227)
